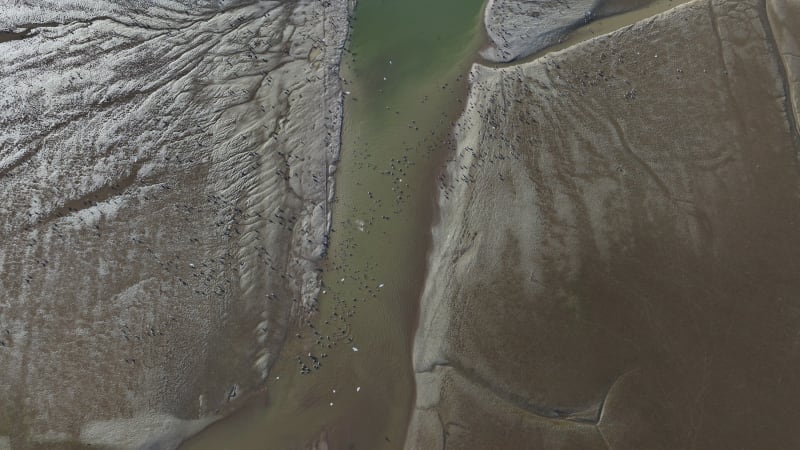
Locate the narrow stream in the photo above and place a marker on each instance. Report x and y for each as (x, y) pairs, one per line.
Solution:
(347, 377)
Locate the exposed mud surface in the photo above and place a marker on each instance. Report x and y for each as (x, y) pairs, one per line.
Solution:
(615, 265)
(164, 184)
(519, 28)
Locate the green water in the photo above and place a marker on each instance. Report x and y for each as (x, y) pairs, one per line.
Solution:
(424, 40)
(406, 76)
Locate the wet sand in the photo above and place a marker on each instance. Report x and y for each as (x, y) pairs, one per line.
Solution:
(614, 267)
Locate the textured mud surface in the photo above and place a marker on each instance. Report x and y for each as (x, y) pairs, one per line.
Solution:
(518, 28)
(164, 186)
(615, 264)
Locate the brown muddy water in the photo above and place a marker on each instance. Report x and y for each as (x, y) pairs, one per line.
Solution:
(10, 36)
(345, 377)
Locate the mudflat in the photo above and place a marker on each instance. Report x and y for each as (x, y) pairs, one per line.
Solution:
(165, 174)
(614, 265)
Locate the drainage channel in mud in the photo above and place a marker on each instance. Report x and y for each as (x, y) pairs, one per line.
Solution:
(347, 378)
